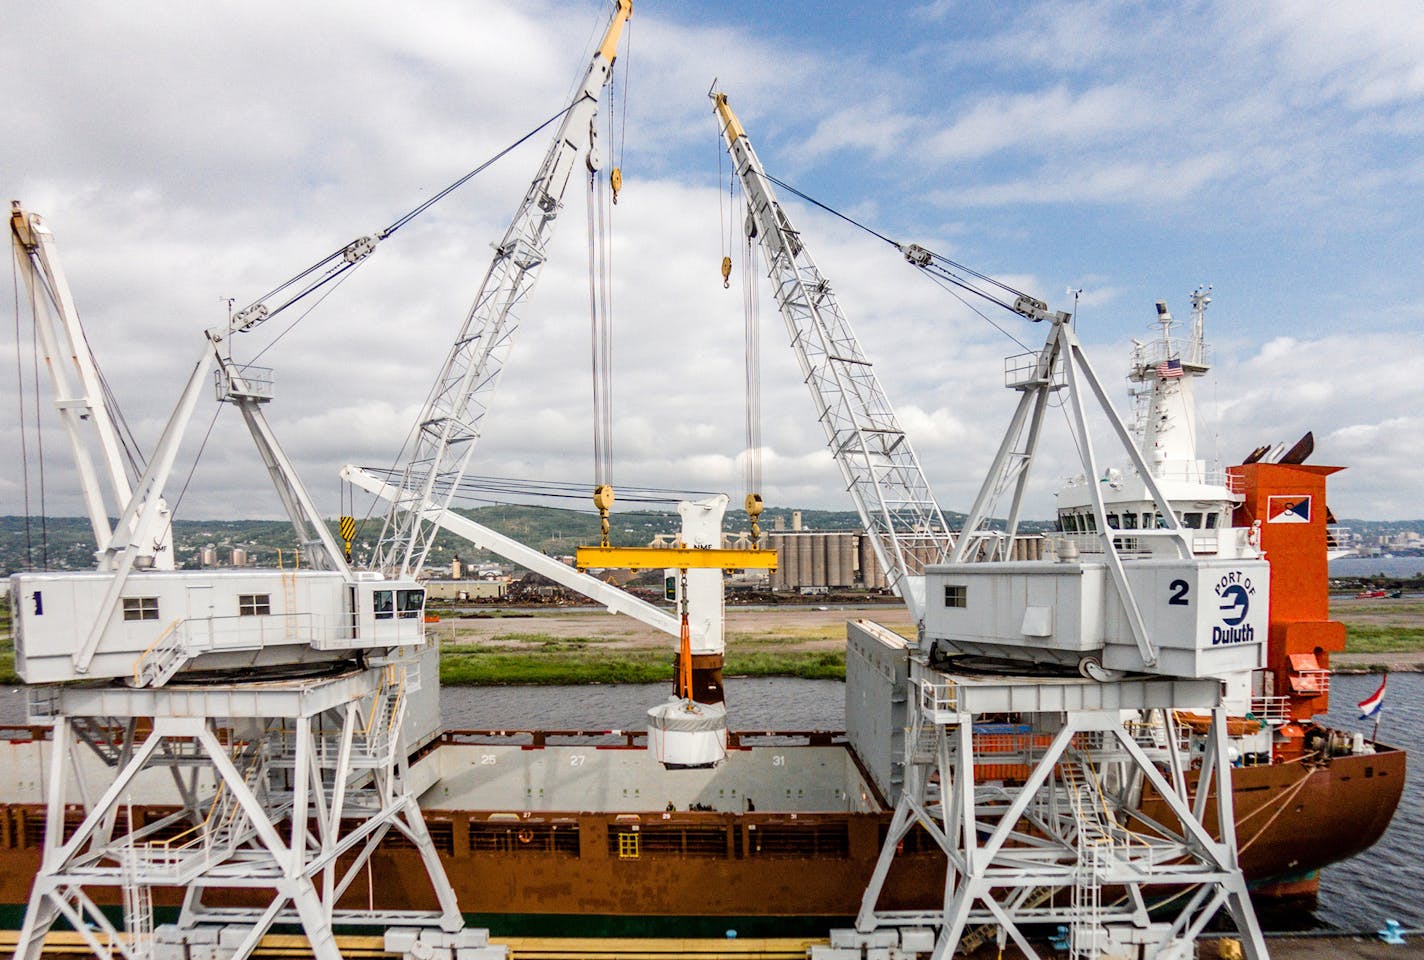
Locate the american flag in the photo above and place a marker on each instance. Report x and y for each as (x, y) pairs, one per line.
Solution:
(1168, 369)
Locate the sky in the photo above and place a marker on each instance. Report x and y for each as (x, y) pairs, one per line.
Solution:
(185, 154)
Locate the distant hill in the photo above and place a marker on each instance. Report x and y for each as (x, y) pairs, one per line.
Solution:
(66, 541)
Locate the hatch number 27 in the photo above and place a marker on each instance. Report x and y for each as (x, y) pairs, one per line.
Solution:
(1179, 590)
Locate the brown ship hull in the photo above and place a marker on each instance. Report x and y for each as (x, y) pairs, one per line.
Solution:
(705, 871)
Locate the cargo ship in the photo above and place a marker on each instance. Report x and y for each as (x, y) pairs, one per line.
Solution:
(589, 832)
(688, 828)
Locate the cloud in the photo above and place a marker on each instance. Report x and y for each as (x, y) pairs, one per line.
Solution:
(1040, 121)
(188, 155)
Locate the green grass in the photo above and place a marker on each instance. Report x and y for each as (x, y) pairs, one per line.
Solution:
(1367, 638)
(483, 665)
(7, 668)
(489, 667)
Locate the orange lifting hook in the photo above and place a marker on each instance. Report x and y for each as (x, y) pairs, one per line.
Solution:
(726, 273)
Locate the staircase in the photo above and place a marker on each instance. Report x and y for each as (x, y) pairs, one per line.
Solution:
(164, 657)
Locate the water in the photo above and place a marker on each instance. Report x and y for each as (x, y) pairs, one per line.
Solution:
(763, 703)
(1398, 567)
(1358, 894)
(1385, 880)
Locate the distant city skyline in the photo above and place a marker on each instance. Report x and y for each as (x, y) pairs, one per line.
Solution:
(186, 154)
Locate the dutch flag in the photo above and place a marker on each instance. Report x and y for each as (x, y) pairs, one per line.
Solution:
(1371, 705)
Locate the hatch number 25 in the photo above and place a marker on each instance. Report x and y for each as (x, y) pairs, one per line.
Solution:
(1179, 590)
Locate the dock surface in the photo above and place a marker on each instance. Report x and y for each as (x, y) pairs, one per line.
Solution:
(1331, 947)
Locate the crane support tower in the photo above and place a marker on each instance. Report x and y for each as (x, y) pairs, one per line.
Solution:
(1068, 671)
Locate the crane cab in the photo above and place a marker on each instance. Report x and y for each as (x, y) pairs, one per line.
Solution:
(386, 613)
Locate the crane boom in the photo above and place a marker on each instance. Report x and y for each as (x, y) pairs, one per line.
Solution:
(451, 421)
(882, 474)
(80, 397)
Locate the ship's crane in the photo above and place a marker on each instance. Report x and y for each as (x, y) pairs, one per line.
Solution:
(881, 472)
(453, 416)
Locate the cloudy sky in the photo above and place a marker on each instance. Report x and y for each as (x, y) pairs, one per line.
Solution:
(185, 154)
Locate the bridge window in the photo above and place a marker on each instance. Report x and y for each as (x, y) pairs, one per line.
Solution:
(410, 603)
(384, 603)
(956, 595)
(1211, 521)
(140, 608)
(1192, 521)
(1129, 521)
(254, 604)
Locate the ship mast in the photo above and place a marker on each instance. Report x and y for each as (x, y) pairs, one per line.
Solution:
(1164, 372)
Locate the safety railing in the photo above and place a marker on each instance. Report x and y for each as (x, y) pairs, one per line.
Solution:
(1022, 370)
(243, 381)
(1273, 710)
(162, 658)
(938, 698)
(173, 859)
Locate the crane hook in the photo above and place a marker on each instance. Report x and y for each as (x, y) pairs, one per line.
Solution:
(726, 273)
(615, 180)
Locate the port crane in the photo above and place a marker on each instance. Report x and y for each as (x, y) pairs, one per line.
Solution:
(450, 422)
(1010, 849)
(275, 700)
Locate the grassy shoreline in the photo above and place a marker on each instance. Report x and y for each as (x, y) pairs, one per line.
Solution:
(544, 647)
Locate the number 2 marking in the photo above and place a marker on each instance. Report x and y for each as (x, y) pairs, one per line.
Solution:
(1179, 595)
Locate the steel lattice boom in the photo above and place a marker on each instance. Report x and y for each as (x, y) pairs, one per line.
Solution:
(880, 469)
(452, 419)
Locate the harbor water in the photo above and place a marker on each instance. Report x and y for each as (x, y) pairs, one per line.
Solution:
(1358, 894)
(1377, 567)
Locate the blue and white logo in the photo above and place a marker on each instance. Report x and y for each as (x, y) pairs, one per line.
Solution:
(1234, 592)
(1235, 603)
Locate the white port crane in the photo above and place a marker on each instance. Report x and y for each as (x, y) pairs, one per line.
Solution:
(1008, 848)
(453, 416)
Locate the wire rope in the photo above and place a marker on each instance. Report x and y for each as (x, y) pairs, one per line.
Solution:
(333, 270)
(751, 305)
(197, 457)
(946, 268)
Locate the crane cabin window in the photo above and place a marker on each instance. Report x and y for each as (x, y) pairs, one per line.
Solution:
(410, 603)
(383, 602)
(956, 595)
(254, 604)
(140, 608)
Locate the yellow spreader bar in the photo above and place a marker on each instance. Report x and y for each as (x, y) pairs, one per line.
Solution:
(682, 558)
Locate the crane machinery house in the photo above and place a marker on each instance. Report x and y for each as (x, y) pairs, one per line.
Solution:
(216, 620)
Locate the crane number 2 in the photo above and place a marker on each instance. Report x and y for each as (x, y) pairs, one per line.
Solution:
(1179, 593)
